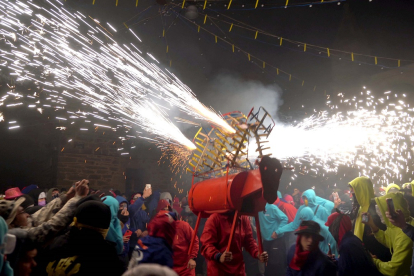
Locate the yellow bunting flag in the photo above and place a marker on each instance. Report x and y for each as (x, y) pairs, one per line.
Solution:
(290, 77)
(216, 38)
(231, 27)
(321, 1)
(304, 47)
(93, 2)
(136, 4)
(264, 64)
(352, 56)
(399, 63)
(232, 47)
(229, 5)
(183, 4)
(303, 82)
(277, 71)
(256, 34)
(126, 26)
(287, 2)
(198, 29)
(167, 48)
(116, 4)
(376, 61)
(163, 33)
(205, 4)
(314, 88)
(257, 3)
(329, 54)
(248, 56)
(205, 19)
(281, 39)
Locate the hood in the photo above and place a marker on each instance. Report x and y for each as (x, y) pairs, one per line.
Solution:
(392, 186)
(399, 203)
(166, 195)
(49, 194)
(306, 214)
(121, 199)
(311, 196)
(29, 188)
(35, 195)
(364, 191)
(409, 186)
(113, 205)
(279, 195)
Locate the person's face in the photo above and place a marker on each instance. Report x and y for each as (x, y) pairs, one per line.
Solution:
(123, 205)
(308, 241)
(55, 192)
(21, 218)
(27, 263)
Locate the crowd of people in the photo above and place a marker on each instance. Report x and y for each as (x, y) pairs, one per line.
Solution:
(81, 231)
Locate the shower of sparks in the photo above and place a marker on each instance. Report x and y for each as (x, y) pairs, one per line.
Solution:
(374, 136)
(176, 155)
(71, 57)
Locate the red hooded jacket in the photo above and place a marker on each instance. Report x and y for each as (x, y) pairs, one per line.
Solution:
(181, 243)
(214, 240)
(289, 210)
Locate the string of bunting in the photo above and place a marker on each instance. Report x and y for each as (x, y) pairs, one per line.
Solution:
(328, 52)
(250, 57)
(256, 3)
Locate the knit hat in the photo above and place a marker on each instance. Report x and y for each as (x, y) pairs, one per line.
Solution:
(8, 209)
(94, 214)
(12, 193)
(162, 204)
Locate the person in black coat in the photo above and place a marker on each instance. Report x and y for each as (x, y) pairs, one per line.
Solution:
(84, 250)
(305, 258)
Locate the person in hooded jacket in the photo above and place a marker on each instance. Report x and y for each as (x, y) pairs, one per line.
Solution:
(52, 194)
(408, 190)
(215, 238)
(329, 205)
(123, 216)
(305, 258)
(288, 199)
(115, 232)
(84, 250)
(307, 214)
(363, 202)
(393, 238)
(157, 246)
(288, 209)
(309, 198)
(5, 269)
(392, 188)
(270, 220)
(184, 263)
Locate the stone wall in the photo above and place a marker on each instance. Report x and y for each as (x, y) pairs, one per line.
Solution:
(96, 158)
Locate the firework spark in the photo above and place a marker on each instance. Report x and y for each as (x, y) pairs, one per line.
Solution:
(69, 56)
(372, 135)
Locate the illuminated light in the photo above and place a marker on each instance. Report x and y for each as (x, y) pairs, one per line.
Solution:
(13, 127)
(12, 122)
(84, 129)
(135, 35)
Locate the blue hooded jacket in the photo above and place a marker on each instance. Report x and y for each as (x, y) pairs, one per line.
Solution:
(270, 220)
(306, 213)
(5, 269)
(329, 205)
(115, 232)
(320, 211)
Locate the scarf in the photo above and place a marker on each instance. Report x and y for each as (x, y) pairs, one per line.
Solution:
(300, 257)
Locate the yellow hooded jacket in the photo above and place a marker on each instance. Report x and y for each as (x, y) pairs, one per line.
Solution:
(364, 192)
(394, 239)
(409, 186)
(390, 186)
